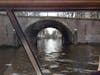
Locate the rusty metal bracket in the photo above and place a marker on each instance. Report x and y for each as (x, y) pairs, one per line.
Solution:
(24, 41)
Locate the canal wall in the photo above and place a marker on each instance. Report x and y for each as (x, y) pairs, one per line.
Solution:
(88, 31)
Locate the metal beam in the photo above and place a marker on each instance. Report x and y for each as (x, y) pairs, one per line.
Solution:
(24, 41)
(52, 4)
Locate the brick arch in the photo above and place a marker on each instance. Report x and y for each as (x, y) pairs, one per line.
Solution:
(33, 30)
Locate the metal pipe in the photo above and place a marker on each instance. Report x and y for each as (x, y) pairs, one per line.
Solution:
(24, 41)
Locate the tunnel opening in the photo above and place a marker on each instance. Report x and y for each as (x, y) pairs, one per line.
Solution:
(49, 33)
(49, 40)
(33, 30)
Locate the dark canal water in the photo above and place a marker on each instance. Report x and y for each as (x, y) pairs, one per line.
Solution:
(72, 60)
(54, 59)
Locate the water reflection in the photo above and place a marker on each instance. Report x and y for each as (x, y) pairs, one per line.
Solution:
(73, 60)
(14, 61)
(50, 45)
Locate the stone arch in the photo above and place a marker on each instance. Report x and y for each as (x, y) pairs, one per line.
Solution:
(33, 30)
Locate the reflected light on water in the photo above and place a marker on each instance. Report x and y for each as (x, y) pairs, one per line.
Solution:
(15, 74)
(56, 60)
(8, 65)
(52, 46)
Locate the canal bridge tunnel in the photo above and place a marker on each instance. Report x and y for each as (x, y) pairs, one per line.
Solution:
(33, 30)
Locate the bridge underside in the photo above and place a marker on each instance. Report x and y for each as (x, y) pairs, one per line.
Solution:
(33, 30)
